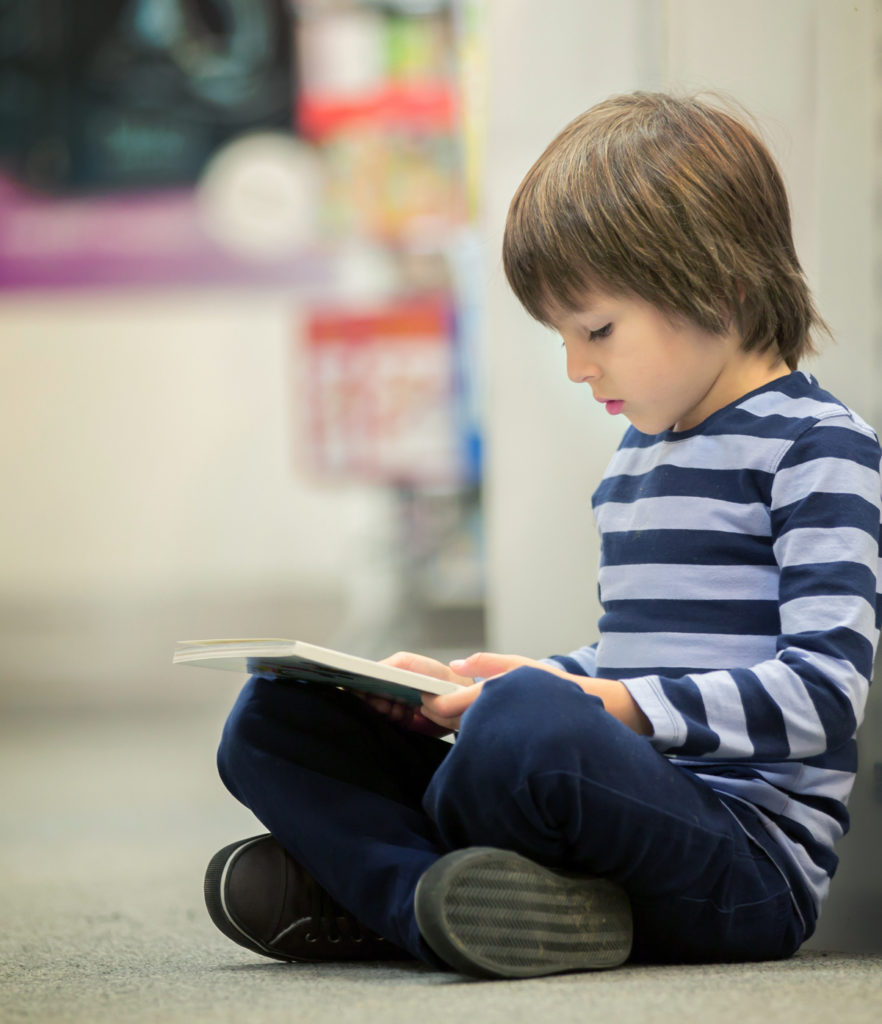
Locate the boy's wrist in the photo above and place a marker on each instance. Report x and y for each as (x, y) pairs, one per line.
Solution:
(618, 702)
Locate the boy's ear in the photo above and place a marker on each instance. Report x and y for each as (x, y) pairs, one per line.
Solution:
(742, 291)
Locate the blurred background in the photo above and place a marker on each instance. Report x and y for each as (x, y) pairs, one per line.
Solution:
(261, 374)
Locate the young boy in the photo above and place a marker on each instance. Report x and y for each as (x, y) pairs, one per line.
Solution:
(674, 791)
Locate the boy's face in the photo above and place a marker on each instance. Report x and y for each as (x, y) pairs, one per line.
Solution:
(657, 372)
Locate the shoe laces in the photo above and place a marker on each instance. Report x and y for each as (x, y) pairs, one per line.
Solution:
(326, 915)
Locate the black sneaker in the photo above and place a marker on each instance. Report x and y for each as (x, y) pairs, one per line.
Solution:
(260, 897)
(492, 913)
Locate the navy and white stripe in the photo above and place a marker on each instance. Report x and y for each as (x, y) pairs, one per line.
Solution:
(739, 584)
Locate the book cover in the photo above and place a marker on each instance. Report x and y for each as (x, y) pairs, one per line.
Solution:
(299, 661)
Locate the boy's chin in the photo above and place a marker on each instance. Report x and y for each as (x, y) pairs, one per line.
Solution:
(647, 425)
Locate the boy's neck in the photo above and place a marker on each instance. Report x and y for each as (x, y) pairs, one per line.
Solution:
(743, 373)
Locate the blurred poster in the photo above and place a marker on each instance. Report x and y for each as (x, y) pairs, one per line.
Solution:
(380, 393)
(149, 141)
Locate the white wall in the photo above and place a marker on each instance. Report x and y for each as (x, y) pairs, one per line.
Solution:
(811, 81)
(546, 445)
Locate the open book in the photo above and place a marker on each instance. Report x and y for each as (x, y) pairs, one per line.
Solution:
(293, 659)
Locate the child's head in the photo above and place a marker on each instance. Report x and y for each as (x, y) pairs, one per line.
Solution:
(672, 200)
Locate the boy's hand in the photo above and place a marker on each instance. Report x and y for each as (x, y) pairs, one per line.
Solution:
(484, 665)
(407, 715)
(446, 710)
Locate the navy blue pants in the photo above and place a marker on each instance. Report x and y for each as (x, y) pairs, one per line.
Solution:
(538, 767)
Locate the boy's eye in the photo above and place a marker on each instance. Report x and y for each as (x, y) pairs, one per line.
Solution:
(601, 332)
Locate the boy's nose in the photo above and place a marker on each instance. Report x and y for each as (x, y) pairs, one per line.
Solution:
(581, 370)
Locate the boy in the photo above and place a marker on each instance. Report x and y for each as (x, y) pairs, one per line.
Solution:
(674, 791)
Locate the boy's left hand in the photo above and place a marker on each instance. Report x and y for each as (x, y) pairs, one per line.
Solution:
(450, 707)
(441, 714)
(446, 710)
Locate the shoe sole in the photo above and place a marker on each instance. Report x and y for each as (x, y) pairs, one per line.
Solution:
(493, 913)
(214, 890)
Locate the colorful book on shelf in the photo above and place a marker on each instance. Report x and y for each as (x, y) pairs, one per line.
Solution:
(295, 660)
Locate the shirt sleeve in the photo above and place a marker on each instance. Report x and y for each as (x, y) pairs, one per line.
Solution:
(809, 699)
(582, 662)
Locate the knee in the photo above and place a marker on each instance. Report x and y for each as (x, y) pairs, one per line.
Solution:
(242, 733)
(528, 713)
(524, 721)
(275, 722)
(506, 777)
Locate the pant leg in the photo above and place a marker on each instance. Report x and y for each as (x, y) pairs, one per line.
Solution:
(340, 787)
(541, 768)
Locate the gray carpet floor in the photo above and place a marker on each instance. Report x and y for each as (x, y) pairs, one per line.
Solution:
(106, 822)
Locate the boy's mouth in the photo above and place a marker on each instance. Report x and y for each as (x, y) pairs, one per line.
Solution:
(612, 405)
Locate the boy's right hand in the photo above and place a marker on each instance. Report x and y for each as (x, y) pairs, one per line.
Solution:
(409, 716)
(468, 671)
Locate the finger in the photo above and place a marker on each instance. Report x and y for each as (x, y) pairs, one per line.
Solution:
(401, 659)
(448, 723)
(381, 704)
(485, 664)
(447, 709)
(450, 705)
(398, 712)
(421, 724)
(417, 663)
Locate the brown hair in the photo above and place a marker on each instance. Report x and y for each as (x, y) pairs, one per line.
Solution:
(670, 199)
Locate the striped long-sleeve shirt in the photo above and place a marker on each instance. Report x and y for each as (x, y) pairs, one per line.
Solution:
(738, 580)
